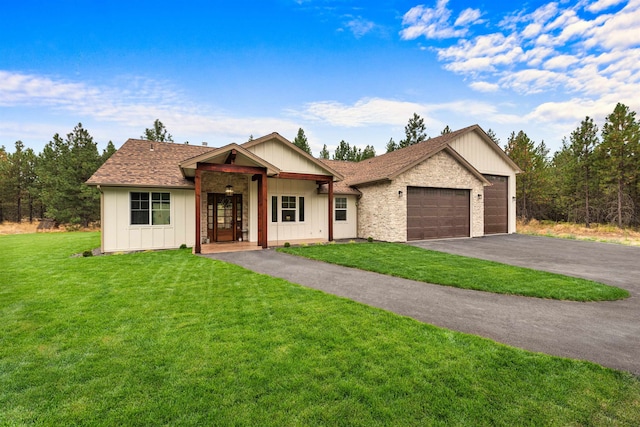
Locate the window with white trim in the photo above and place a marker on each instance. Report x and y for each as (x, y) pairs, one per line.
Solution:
(150, 208)
(289, 208)
(340, 208)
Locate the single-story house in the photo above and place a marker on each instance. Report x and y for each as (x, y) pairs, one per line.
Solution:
(267, 191)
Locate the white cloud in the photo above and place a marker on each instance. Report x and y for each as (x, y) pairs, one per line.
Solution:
(433, 23)
(618, 31)
(468, 16)
(483, 53)
(601, 5)
(484, 87)
(367, 111)
(134, 106)
(360, 26)
(533, 81)
(560, 62)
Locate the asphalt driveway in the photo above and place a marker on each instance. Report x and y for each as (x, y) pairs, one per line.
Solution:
(607, 333)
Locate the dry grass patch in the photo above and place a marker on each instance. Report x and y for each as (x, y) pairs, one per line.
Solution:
(26, 227)
(597, 232)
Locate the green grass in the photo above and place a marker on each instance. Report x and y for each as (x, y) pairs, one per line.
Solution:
(167, 338)
(439, 268)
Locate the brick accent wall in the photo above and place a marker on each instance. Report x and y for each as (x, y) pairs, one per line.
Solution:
(382, 213)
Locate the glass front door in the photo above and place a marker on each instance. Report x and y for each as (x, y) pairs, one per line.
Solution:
(224, 217)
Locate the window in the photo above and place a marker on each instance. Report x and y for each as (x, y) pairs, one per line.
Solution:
(301, 209)
(274, 208)
(155, 213)
(288, 209)
(341, 208)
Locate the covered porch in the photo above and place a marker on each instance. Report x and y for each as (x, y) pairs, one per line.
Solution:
(239, 198)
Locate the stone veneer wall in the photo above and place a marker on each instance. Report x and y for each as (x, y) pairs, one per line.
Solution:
(382, 214)
(215, 182)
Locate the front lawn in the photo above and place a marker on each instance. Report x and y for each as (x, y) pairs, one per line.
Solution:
(161, 338)
(439, 268)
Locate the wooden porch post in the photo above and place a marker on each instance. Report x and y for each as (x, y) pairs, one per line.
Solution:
(198, 210)
(330, 209)
(262, 210)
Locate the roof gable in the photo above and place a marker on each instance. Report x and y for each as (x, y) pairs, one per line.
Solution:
(288, 157)
(388, 166)
(241, 156)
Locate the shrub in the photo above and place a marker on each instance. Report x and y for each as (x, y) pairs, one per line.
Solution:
(287, 244)
(183, 246)
(87, 254)
(369, 239)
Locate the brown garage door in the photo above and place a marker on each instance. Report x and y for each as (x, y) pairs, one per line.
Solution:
(434, 213)
(496, 205)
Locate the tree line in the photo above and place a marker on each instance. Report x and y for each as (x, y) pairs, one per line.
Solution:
(593, 178)
(51, 184)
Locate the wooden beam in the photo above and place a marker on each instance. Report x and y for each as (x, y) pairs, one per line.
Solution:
(262, 210)
(305, 176)
(210, 167)
(265, 238)
(231, 158)
(330, 195)
(198, 183)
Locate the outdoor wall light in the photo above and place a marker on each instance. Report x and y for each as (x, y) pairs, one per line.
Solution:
(513, 198)
(479, 196)
(228, 190)
(399, 193)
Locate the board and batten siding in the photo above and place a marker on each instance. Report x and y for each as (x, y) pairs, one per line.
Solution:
(487, 161)
(119, 235)
(315, 225)
(285, 158)
(346, 229)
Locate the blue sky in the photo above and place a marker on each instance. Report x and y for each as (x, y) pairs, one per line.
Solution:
(355, 70)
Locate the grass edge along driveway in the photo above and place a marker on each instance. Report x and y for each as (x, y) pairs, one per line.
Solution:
(168, 338)
(410, 262)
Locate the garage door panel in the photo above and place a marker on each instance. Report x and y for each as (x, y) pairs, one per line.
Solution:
(434, 213)
(496, 205)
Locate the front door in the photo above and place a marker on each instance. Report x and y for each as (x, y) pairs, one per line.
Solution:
(224, 217)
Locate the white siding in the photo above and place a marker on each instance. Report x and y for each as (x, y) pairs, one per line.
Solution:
(487, 161)
(315, 222)
(347, 229)
(118, 235)
(285, 158)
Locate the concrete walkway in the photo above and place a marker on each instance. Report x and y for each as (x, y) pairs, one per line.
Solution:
(607, 333)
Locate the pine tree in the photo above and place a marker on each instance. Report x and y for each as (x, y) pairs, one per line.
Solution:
(583, 142)
(4, 181)
(301, 141)
(414, 132)
(532, 189)
(324, 154)
(391, 146)
(368, 153)
(64, 167)
(342, 151)
(108, 152)
(491, 134)
(157, 133)
(618, 156)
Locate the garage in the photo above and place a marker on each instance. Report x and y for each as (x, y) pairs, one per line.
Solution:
(496, 205)
(435, 213)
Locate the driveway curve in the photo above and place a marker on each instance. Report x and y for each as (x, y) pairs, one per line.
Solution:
(607, 333)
